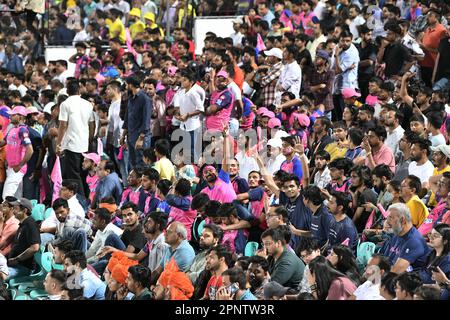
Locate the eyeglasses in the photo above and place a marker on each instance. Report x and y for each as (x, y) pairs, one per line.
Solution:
(267, 244)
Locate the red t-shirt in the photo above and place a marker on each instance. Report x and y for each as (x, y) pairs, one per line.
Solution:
(213, 285)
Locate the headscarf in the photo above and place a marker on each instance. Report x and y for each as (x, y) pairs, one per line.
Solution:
(178, 282)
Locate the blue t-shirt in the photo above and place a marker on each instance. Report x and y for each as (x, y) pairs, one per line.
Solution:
(443, 263)
(339, 231)
(294, 166)
(183, 255)
(247, 296)
(320, 224)
(224, 100)
(255, 194)
(299, 215)
(411, 247)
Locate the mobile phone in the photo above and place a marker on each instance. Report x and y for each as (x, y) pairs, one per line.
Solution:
(233, 288)
(434, 269)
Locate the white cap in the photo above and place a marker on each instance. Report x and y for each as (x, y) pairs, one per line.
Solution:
(274, 52)
(48, 107)
(275, 143)
(238, 20)
(443, 149)
(281, 134)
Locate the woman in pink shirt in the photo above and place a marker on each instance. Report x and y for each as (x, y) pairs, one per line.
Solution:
(327, 283)
(8, 226)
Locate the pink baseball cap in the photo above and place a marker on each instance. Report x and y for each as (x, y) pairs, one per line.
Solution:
(302, 119)
(268, 113)
(92, 156)
(19, 110)
(261, 110)
(223, 74)
(32, 110)
(171, 71)
(274, 123)
(371, 100)
(350, 93)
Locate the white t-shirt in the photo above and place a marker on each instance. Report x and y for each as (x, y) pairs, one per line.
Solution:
(78, 113)
(368, 291)
(246, 164)
(189, 102)
(4, 265)
(423, 172)
(437, 140)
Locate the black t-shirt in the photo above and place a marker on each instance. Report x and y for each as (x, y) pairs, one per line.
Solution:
(443, 70)
(27, 235)
(135, 238)
(369, 52)
(395, 56)
(368, 195)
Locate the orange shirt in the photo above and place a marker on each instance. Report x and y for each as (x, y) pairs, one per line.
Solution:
(238, 76)
(431, 38)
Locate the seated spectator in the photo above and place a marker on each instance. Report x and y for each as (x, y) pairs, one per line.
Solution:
(138, 282)
(411, 188)
(406, 250)
(285, 267)
(75, 265)
(387, 286)
(53, 284)
(376, 268)
(343, 260)
(427, 292)
(26, 242)
(327, 283)
(108, 184)
(258, 275)
(219, 257)
(406, 284)
(8, 225)
(234, 286)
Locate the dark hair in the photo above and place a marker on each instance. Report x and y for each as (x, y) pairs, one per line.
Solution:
(393, 26)
(388, 282)
(150, 153)
(347, 263)
(364, 174)
(162, 146)
(325, 122)
(70, 184)
(215, 229)
(409, 282)
(313, 194)
(134, 81)
(58, 275)
(344, 164)
(307, 244)
(323, 155)
(64, 246)
(281, 211)
(73, 88)
(141, 275)
(109, 166)
(164, 186)
(346, 34)
(222, 252)
(183, 187)
(212, 208)
(275, 234)
(158, 218)
(199, 200)
(292, 177)
(380, 132)
(444, 230)
(418, 118)
(77, 256)
(227, 210)
(60, 202)
(325, 274)
(262, 262)
(151, 174)
(342, 199)
(383, 262)
(435, 119)
(382, 170)
(285, 230)
(103, 214)
(237, 275)
(129, 205)
(414, 183)
(428, 292)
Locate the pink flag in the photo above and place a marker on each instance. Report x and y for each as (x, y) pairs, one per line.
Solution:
(56, 177)
(345, 242)
(99, 147)
(129, 42)
(260, 46)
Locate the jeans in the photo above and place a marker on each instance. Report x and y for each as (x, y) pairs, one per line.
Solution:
(30, 187)
(114, 241)
(122, 164)
(46, 238)
(71, 167)
(338, 102)
(442, 84)
(78, 238)
(18, 271)
(195, 145)
(135, 156)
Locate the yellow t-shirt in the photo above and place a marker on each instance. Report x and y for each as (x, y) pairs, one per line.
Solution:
(165, 169)
(335, 152)
(419, 212)
(432, 202)
(116, 27)
(136, 28)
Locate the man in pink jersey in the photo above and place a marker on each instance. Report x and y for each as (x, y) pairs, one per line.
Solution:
(18, 151)
(222, 101)
(219, 186)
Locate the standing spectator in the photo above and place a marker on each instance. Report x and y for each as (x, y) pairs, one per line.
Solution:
(137, 122)
(430, 44)
(76, 130)
(18, 151)
(291, 76)
(346, 70)
(441, 72)
(269, 80)
(265, 13)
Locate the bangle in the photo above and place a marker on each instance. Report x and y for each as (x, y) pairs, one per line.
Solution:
(368, 153)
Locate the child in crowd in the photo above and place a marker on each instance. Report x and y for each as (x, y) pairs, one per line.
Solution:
(162, 189)
(90, 163)
(164, 166)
